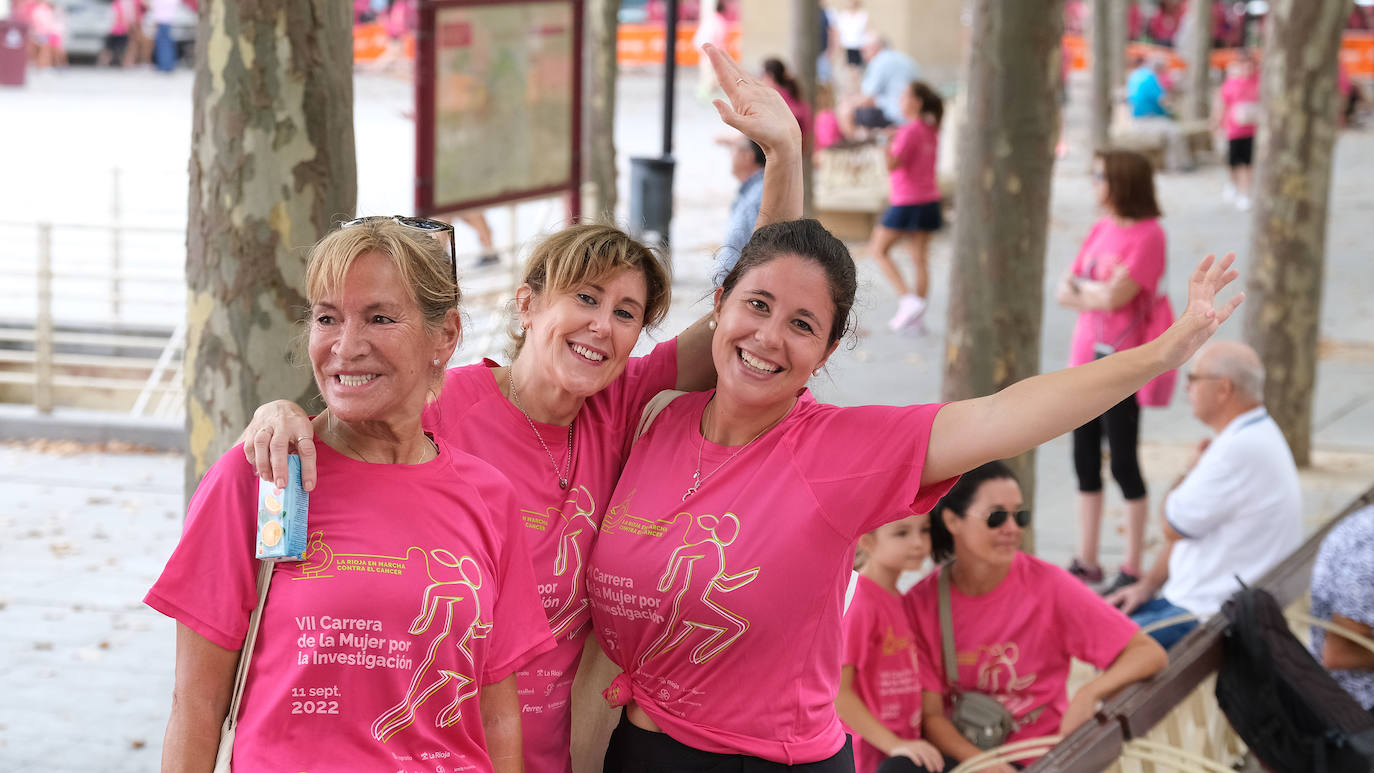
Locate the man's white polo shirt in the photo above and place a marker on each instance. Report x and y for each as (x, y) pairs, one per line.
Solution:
(1239, 511)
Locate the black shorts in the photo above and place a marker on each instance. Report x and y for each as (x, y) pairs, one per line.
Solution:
(116, 45)
(1240, 151)
(914, 217)
(872, 117)
(635, 750)
(854, 56)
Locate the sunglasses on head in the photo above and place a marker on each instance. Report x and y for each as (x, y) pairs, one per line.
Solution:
(428, 225)
(999, 516)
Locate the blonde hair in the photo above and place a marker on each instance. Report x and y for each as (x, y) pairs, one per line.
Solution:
(588, 253)
(424, 263)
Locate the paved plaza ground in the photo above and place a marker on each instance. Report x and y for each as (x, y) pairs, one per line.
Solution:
(86, 670)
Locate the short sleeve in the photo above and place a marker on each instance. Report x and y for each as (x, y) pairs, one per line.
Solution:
(210, 582)
(520, 630)
(1146, 259)
(1080, 262)
(859, 624)
(865, 464)
(903, 142)
(643, 378)
(1201, 502)
(1094, 631)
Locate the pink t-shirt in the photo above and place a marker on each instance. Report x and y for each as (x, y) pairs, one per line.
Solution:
(1015, 643)
(880, 645)
(915, 147)
(416, 590)
(827, 129)
(724, 610)
(1240, 102)
(1140, 246)
(559, 526)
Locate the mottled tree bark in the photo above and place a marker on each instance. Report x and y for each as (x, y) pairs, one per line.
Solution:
(1198, 92)
(1116, 68)
(1100, 34)
(599, 200)
(1006, 157)
(1297, 134)
(806, 32)
(272, 167)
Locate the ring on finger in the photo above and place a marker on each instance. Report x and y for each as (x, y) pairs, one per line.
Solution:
(302, 439)
(739, 81)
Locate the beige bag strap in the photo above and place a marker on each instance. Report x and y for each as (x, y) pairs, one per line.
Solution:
(246, 655)
(653, 408)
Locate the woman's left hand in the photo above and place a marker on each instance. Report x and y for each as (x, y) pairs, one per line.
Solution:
(756, 109)
(1202, 316)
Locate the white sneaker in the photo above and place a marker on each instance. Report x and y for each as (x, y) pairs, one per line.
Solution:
(1243, 203)
(909, 311)
(1228, 194)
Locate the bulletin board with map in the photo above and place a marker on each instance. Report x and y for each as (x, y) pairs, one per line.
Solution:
(498, 96)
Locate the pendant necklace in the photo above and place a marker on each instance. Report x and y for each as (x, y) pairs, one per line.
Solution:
(562, 474)
(697, 477)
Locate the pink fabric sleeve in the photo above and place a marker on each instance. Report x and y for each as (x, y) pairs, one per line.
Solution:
(520, 628)
(643, 378)
(903, 142)
(1080, 261)
(1094, 631)
(1145, 259)
(210, 582)
(872, 457)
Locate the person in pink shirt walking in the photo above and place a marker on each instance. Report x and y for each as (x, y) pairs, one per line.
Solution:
(1111, 285)
(880, 689)
(718, 580)
(914, 195)
(1237, 113)
(1017, 622)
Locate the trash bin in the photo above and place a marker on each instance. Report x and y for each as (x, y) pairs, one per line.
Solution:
(651, 198)
(14, 44)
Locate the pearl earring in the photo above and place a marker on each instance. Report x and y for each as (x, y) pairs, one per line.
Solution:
(436, 361)
(711, 324)
(816, 373)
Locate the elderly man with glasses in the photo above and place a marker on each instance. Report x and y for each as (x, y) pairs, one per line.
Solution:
(1236, 512)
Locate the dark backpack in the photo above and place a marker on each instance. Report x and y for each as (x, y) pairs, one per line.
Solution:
(1285, 706)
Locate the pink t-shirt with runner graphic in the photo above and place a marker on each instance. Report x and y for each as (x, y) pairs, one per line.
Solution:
(1240, 105)
(1139, 246)
(916, 147)
(416, 590)
(880, 645)
(1015, 643)
(724, 610)
(558, 526)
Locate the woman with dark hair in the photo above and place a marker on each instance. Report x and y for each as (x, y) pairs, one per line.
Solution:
(775, 74)
(1111, 285)
(732, 528)
(1017, 621)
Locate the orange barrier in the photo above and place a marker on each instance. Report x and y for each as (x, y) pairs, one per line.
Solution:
(641, 44)
(370, 42)
(1357, 52)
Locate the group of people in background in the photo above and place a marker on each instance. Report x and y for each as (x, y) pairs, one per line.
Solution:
(677, 529)
(140, 33)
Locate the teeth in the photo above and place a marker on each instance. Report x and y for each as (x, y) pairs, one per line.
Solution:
(756, 363)
(588, 353)
(355, 380)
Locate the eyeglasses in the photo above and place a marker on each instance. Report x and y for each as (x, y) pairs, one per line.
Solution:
(428, 225)
(999, 516)
(1191, 377)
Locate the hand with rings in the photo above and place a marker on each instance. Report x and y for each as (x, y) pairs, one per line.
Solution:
(759, 113)
(278, 429)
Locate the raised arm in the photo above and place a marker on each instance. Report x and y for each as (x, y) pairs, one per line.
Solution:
(968, 433)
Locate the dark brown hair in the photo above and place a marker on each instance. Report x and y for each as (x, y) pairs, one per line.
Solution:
(778, 72)
(931, 103)
(957, 500)
(806, 239)
(1130, 184)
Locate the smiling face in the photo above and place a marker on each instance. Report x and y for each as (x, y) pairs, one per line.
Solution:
(973, 540)
(901, 545)
(369, 348)
(579, 340)
(772, 331)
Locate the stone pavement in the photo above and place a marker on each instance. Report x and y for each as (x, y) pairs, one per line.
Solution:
(86, 670)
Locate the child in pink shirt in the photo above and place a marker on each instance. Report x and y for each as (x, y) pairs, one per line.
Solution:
(880, 691)
(914, 214)
(1018, 621)
(1238, 116)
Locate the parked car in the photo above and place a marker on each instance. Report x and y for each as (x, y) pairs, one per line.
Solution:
(88, 22)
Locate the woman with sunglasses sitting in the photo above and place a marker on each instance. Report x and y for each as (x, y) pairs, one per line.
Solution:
(397, 638)
(1017, 621)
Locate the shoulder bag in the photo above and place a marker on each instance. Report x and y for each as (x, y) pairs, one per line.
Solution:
(979, 718)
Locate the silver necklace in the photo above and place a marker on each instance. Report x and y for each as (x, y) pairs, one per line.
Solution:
(338, 435)
(697, 477)
(567, 458)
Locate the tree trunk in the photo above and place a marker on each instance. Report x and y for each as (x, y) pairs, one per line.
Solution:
(1198, 94)
(1116, 66)
(1297, 134)
(1005, 162)
(272, 167)
(806, 32)
(600, 178)
(1100, 65)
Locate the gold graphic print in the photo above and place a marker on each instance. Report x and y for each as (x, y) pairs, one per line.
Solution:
(698, 567)
(455, 581)
(576, 515)
(997, 676)
(618, 518)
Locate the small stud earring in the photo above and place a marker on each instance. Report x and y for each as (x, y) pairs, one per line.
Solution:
(436, 361)
(711, 324)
